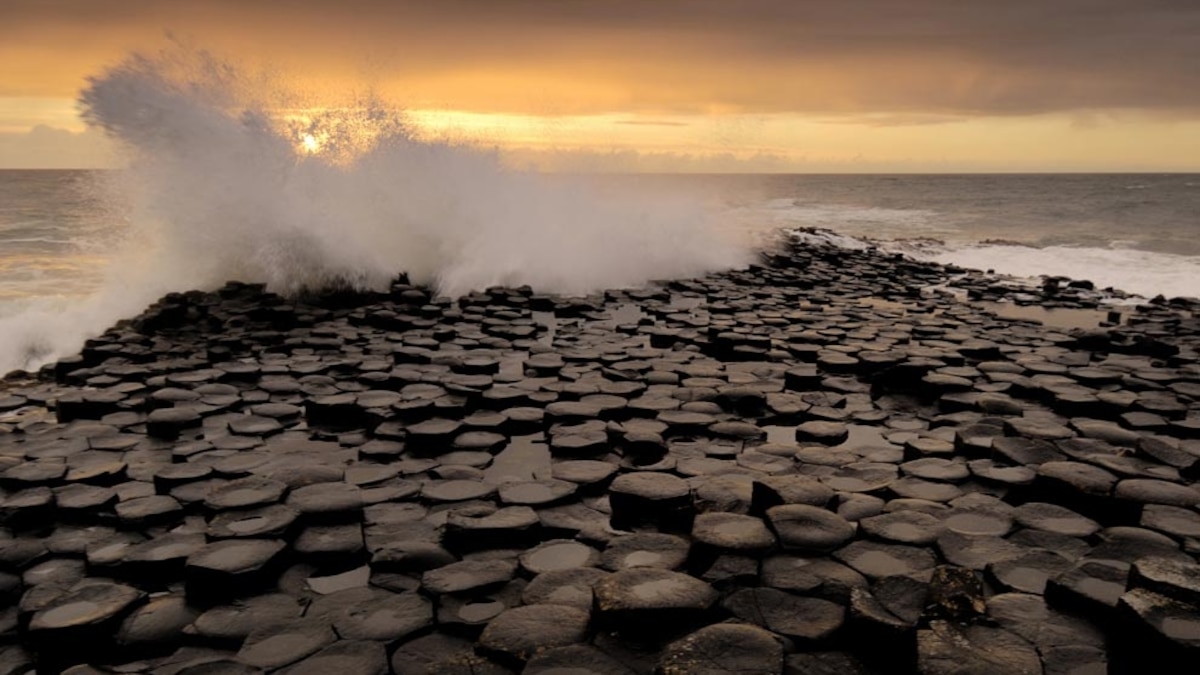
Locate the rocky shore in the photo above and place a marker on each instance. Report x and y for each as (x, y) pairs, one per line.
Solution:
(838, 461)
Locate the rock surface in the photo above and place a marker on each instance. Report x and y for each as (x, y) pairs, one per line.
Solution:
(823, 463)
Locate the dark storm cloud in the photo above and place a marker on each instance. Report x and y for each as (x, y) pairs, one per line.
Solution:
(951, 57)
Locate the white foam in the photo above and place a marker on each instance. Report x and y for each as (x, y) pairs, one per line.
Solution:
(1145, 273)
(219, 189)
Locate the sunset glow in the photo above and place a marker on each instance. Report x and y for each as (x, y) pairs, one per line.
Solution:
(867, 85)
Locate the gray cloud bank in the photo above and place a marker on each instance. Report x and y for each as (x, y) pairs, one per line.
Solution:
(949, 57)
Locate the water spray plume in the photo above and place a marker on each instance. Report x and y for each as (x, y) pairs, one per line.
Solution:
(222, 183)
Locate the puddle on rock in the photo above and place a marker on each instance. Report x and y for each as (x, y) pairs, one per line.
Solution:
(525, 458)
(1064, 318)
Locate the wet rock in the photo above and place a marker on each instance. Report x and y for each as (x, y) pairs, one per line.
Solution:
(721, 649)
(903, 527)
(226, 569)
(1171, 577)
(651, 497)
(770, 491)
(522, 632)
(645, 549)
(468, 575)
(818, 577)
(825, 433)
(272, 647)
(798, 618)
(648, 601)
(84, 618)
(571, 587)
(1028, 572)
(245, 493)
(346, 657)
(809, 528)
(157, 625)
(1092, 587)
(580, 659)
(882, 560)
(558, 555)
(386, 618)
(1163, 633)
(509, 526)
(945, 649)
(1030, 617)
(732, 532)
(169, 423)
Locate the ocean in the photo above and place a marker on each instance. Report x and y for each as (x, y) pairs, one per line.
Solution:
(74, 258)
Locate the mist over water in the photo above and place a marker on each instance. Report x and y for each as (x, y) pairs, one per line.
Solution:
(227, 180)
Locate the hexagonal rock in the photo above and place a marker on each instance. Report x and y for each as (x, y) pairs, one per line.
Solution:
(536, 492)
(433, 436)
(1054, 518)
(387, 618)
(274, 646)
(1037, 429)
(511, 526)
(789, 615)
(883, 560)
(227, 569)
(825, 433)
(1028, 573)
(651, 497)
(1030, 617)
(1147, 491)
(335, 501)
(732, 532)
(723, 649)
(233, 623)
(245, 493)
(169, 423)
(580, 659)
(945, 649)
(520, 633)
(809, 528)
(85, 613)
(1174, 578)
(1077, 477)
(266, 522)
(468, 575)
(559, 554)
(571, 587)
(584, 472)
(1160, 630)
(1172, 520)
(651, 601)
(903, 527)
(346, 657)
(158, 623)
(1091, 587)
(770, 491)
(645, 549)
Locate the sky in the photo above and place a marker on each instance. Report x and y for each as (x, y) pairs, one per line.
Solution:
(668, 85)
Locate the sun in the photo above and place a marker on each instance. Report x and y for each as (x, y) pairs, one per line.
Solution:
(310, 144)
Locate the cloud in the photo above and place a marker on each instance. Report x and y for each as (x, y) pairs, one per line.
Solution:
(917, 57)
(46, 147)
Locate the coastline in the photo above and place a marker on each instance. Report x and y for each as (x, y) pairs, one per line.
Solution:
(513, 480)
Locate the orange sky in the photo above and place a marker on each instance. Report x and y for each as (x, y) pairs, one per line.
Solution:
(775, 85)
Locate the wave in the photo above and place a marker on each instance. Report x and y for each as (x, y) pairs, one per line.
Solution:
(226, 182)
(1145, 273)
(1139, 272)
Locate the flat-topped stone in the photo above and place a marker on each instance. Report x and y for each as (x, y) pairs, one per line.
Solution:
(809, 528)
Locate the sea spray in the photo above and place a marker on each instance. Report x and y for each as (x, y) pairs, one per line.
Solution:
(227, 179)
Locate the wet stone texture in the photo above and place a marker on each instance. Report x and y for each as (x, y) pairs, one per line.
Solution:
(835, 461)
